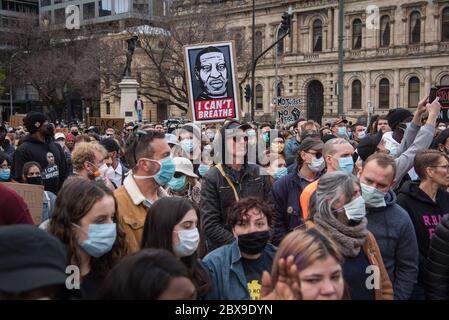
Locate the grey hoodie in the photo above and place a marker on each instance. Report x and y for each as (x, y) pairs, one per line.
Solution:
(395, 235)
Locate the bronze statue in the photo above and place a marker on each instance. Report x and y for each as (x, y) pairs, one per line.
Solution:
(132, 42)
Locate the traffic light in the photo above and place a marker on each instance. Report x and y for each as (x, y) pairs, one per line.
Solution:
(286, 21)
(248, 93)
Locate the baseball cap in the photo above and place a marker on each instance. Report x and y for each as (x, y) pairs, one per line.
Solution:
(171, 139)
(184, 166)
(339, 121)
(59, 135)
(367, 146)
(31, 259)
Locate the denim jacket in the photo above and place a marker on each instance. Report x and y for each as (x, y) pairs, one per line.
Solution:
(226, 272)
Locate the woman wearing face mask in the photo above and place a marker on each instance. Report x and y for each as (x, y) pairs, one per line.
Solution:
(184, 182)
(172, 224)
(288, 189)
(32, 174)
(307, 266)
(85, 220)
(5, 167)
(276, 168)
(338, 210)
(236, 269)
(190, 143)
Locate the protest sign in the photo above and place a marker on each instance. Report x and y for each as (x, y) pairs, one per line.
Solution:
(443, 94)
(33, 195)
(103, 123)
(16, 120)
(287, 109)
(212, 81)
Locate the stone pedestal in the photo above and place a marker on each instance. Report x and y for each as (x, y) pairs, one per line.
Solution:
(128, 95)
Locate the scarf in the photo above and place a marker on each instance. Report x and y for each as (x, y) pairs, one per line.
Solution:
(349, 239)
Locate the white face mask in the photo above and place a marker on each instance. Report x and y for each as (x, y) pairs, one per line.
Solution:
(317, 165)
(188, 242)
(373, 197)
(107, 171)
(355, 210)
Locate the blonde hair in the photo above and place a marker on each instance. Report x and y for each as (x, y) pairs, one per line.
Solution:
(306, 247)
(85, 151)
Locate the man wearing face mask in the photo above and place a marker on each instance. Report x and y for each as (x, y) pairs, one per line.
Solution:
(292, 145)
(148, 154)
(35, 147)
(338, 128)
(390, 224)
(190, 143)
(288, 189)
(358, 132)
(337, 155)
(235, 270)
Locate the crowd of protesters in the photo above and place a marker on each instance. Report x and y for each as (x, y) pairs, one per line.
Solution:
(235, 211)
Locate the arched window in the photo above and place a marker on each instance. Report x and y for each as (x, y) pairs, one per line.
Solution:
(239, 43)
(357, 34)
(317, 36)
(384, 94)
(415, 27)
(444, 81)
(258, 40)
(279, 88)
(259, 97)
(385, 31)
(280, 46)
(445, 25)
(356, 94)
(413, 92)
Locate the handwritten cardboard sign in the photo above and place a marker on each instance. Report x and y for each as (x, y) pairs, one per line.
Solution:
(103, 123)
(33, 195)
(17, 120)
(287, 109)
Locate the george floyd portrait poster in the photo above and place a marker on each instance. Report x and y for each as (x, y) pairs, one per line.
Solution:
(212, 81)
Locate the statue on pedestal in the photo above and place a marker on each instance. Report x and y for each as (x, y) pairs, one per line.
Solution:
(132, 42)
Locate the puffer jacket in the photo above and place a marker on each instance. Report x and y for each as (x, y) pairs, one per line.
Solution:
(436, 271)
(217, 196)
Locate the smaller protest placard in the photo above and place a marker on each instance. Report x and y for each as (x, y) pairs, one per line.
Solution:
(103, 123)
(63, 130)
(287, 109)
(443, 94)
(33, 195)
(16, 120)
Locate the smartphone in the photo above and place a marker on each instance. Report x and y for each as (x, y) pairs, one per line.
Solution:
(432, 94)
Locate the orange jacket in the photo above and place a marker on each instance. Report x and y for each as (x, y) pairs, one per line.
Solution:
(304, 198)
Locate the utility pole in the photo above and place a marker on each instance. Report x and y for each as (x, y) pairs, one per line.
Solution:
(253, 58)
(340, 57)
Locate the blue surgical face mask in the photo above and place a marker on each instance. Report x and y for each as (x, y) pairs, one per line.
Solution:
(165, 173)
(188, 242)
(317, 165)
(355, 210)
(346, 164)
(5, 174)
(203, 169)
(280, 172)
(188, 145)
(251, 133)
(100, 239)
(373, 197)
(341, 131)
(177, 184)
(266, 136)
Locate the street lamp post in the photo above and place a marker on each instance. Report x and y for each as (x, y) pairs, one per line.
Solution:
(10, 79)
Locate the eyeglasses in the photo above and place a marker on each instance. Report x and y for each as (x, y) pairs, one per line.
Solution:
(445, 166)
(318, 154)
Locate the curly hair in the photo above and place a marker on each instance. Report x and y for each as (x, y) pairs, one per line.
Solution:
(74, 201)
(240, 210)
(86, 152)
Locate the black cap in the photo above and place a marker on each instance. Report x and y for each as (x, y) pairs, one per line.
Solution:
(440, 139)
(368, 145)
(34, 120)
(30, 259)
(397, 116)
(110, 144)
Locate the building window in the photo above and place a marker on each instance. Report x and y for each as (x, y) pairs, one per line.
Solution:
(356, 94)
(279, 89)
(259, 97)
(415, 27)
(280, 46)
(108, 107)
(445, 81)
(384, 94)
(59, 16)
(258, 40)
(413, 92)
(44, 3)
(445, 25)
(239, 43)
(317, 36)
(89, 10)
(385, 31)
(121, 6)
(357, 34)
(104, 8)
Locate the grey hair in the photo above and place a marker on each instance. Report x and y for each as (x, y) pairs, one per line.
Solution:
(329, 148)
(330, 188)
